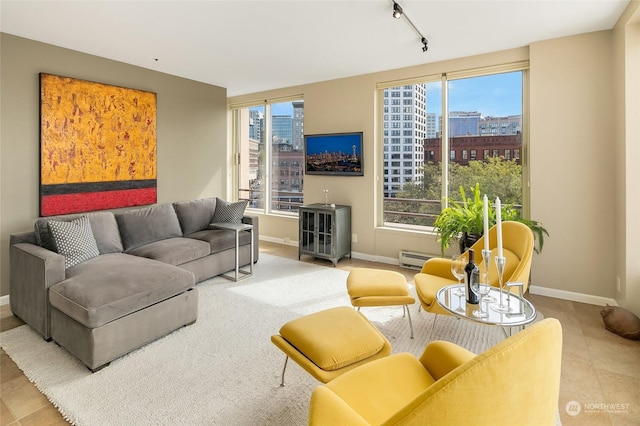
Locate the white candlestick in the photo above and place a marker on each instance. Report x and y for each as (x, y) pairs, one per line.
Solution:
(485, 217)
(499, 225)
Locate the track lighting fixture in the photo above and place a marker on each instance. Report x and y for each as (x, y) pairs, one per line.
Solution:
(397, 10)
(398, 13)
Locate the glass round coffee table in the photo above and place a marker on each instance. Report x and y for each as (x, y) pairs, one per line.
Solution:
(521, 313)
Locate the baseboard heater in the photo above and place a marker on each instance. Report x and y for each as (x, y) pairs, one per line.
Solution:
(413, 259)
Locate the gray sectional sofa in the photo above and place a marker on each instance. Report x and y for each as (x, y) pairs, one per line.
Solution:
(137, 287)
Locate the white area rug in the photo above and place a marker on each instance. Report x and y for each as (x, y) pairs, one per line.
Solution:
(223, 369)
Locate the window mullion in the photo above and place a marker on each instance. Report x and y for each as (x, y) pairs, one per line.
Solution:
(268, 157)
(445, 142)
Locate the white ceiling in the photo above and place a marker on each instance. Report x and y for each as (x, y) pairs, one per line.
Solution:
(249, 46)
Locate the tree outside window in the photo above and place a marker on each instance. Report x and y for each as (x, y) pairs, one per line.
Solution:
(484, 114)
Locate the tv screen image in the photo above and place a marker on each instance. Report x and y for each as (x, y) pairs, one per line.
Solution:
(334, 154)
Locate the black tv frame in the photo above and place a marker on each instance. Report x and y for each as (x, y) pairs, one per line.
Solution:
(331, 154)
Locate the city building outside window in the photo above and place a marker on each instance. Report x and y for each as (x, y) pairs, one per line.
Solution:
(270, 134)
(484, 115)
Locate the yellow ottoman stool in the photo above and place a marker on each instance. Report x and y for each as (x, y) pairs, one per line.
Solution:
(331, 342)
(377, 287)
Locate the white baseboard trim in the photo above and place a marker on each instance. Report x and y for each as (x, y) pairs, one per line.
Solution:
(541, 291)
(285, 241)
(4, 300)
(372, 258)
(354, 255)
(574, 297)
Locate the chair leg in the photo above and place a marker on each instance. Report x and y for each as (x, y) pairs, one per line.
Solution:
(405, 307)
(283, 370)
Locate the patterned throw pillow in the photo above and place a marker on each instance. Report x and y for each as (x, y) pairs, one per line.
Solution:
(227, 212)
(74, 240)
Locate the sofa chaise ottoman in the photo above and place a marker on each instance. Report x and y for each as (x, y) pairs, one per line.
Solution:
(138, 284)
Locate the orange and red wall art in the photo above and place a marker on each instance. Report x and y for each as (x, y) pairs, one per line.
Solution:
(97, 146)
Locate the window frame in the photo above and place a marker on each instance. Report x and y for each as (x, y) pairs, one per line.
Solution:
(444, 78)
(236, 123)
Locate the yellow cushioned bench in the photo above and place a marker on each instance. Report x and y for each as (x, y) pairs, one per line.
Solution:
(331, 342)
(378, 287)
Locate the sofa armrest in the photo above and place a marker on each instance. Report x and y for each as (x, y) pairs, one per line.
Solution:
(32, 270)
(23, 237)
(440, 358)
(327, 408)
(253, 220)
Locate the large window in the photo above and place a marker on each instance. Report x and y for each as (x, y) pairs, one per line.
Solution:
(468, 130)
(269, 140)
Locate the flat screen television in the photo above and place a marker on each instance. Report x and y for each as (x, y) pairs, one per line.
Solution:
(338, 154)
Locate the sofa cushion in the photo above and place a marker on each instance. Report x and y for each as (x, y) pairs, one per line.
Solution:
(112, 286)
(221, 239)
(174, 251)
(195, 215)
(74, 240)
(103, 225)
(143, 226)
(227, 212)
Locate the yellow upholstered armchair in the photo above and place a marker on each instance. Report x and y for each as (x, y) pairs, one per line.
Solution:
(516, 382)
(517, 244)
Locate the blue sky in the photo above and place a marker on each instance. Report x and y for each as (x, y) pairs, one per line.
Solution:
(285, 108)
(497, 95)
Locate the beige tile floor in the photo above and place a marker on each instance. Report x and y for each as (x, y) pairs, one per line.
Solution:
(598, 367)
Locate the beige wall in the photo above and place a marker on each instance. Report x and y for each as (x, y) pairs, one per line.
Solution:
(192, 129)
(626, 63)
(572, 175)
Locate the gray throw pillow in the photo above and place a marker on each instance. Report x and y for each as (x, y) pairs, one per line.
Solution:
(195, 215)
(74, 240)
(227, 212)
(103, 224)
(148, 225)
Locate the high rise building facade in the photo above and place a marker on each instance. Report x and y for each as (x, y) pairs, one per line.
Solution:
(405, 124)
(256, 125)
(464, 123)
(282, 129)
(287, 159)
(501, 126)
(473, 123)
(298, 125)
(432, 131)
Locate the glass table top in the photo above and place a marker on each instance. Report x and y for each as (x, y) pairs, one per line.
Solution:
(521, 310)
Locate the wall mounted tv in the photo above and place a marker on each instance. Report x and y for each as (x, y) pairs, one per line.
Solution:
(338, 154)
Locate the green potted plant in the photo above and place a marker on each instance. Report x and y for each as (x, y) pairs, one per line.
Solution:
(465, 221)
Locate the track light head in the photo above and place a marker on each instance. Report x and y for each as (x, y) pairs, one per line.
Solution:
(397, 10)
(399, 13)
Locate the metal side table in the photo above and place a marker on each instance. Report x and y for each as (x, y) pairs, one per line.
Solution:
(237, 228)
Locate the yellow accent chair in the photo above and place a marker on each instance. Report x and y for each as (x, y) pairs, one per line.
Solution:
(516, 382)
(517, 248)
